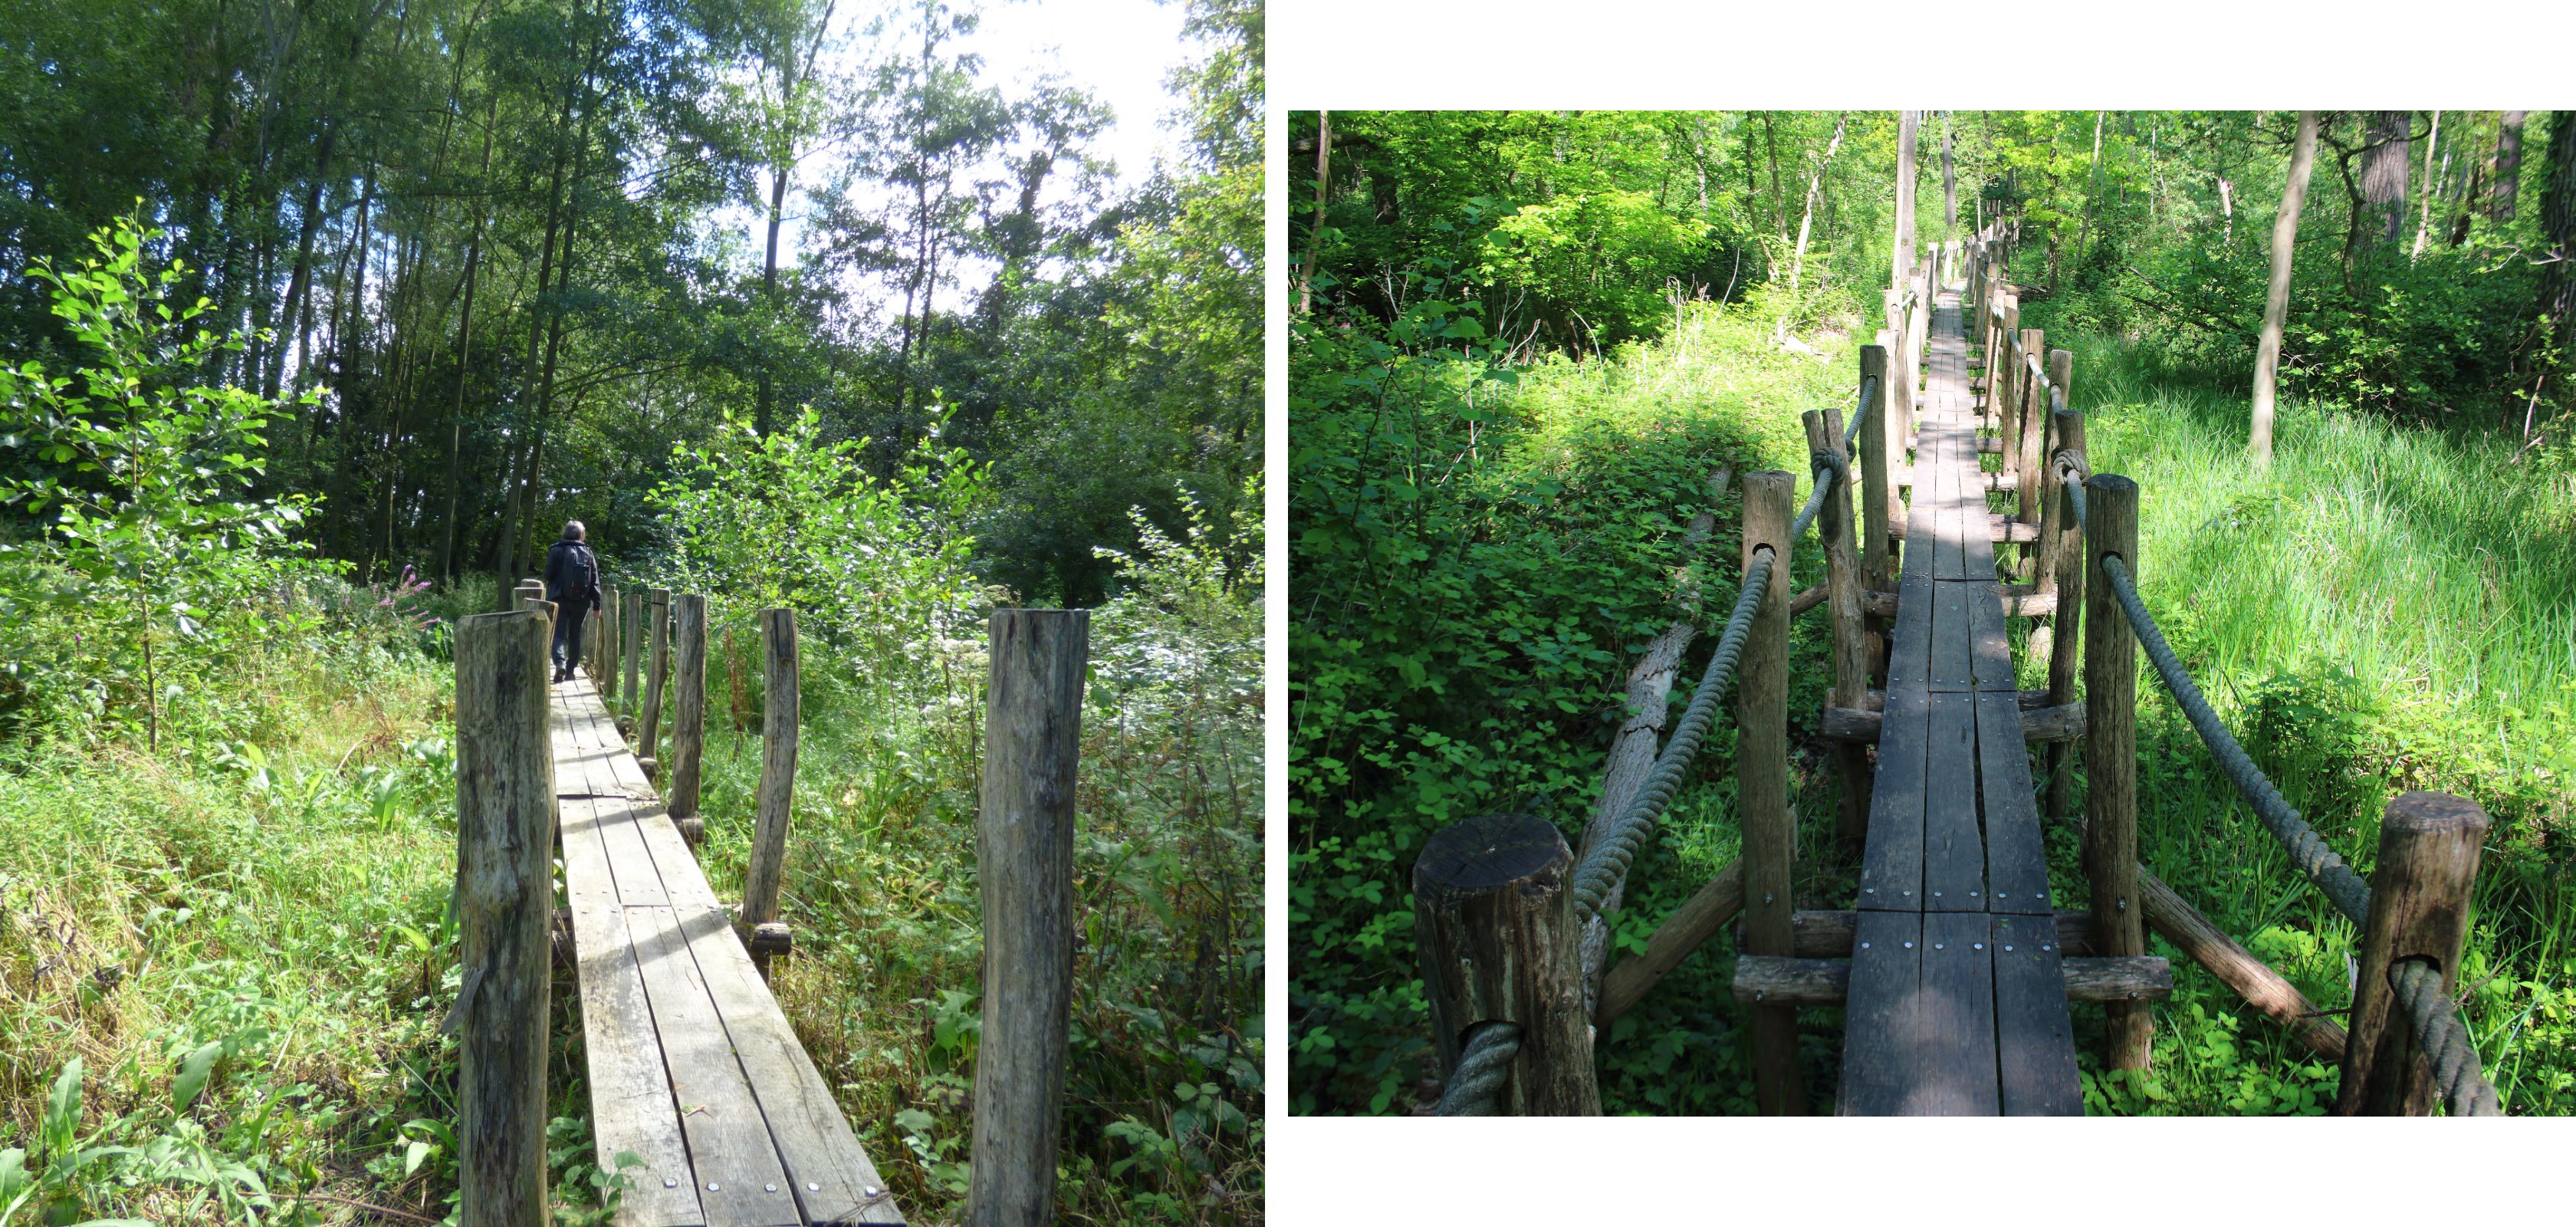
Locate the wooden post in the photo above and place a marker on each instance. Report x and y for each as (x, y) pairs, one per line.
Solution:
(603, 644)
(1024, 867)
(2008, 333)
(2027, 402)
(778, 724)
(1877, 493)
(1842, 605)
(2111, 754)
(505, 798)
(648, 745)
(630, 623)
(1493, 924)
(2062, 565)
(1892, 414)
(2419, 911)
(688, 712)
(1762, 787)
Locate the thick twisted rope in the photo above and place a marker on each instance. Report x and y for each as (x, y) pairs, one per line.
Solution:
(1484, 1066)
(2341, 885)
(1607, 865)
(1860, 412)
(2444, 1041)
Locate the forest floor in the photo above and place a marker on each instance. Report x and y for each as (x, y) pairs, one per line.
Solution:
(233, 957)
(2388, 607)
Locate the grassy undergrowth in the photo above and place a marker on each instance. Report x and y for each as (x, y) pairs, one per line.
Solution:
(222, 966)
(2387, 608)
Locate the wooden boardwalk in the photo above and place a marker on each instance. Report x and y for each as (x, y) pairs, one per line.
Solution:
(1957, 999)
(692, 1067)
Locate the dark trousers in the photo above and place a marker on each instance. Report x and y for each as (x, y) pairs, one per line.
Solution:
(568, 617)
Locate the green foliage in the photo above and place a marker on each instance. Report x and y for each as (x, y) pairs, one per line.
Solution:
(1480, 550)
(144, 470)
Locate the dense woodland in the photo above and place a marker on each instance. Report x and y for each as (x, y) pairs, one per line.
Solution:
(1525, 340)
(319, 318)
(495, 253)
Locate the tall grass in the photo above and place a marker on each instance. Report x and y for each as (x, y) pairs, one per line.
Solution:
(2386, 607)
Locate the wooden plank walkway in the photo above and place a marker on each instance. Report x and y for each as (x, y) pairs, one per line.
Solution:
(691, 1065)
(1957, 1003)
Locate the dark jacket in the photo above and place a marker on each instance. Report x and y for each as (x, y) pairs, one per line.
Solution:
(572, 574)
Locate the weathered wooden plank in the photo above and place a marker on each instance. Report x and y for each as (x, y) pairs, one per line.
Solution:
(631, 1109)
(1891, 872)
(2034, 1039)
(740, 1181)
(1954, 1012)
(1882, 1048)
(1949, 511)
(1952, 666)
(1909, 643)
(1954, 855)
(1989, 651)
(828, 1171)
(2016, 850)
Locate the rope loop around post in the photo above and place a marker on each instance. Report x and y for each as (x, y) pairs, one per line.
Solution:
(1484, 1068)
(2443, 1040)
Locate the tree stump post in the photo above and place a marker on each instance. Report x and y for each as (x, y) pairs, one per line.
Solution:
(1493, 923)
(1893, 410)
(776, 799)
(603, 645)
(2419, 911)
(2111, 755)
(688, 711)
(1762, 787)
(2062, 565)
(1024, 864)
(657, 673)
(505, 800)
(1842, 603)
(1877, 494)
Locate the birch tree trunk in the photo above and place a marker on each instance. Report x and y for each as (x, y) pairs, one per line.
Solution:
(2276, 303)
(1815, 184)
(1901, 259)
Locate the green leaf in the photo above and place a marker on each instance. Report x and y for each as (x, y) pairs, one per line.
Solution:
(62, 1110)
(193, 1073)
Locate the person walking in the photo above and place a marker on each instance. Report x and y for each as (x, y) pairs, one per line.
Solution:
(572, 583)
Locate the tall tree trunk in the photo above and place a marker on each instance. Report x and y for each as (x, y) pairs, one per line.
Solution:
(1901, 256)
(464, 356)
(2276, 302)
(2558, 227)
(1779, 203)
(2092, 190)
(1815, 185)
(1949, 182)
(2384, 168)
(2504, 181)
(1315, 232)
(2432, 184)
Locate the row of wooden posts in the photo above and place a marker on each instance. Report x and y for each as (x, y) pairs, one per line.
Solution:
(507, 833)
(1494, 913)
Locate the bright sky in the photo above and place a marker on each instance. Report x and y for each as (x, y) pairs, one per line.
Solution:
(1118, 50)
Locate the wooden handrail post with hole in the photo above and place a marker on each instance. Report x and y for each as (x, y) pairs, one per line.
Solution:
(657, 672)
(688, 712)
(2029, 403)
(505, 801)
(1024, 838)
(1494, 929)
(1877, 494)
(1762, 786)
(1895, 406)
(781, 705)
(2419, 912)
(2062, 566)
(1842, 607)
(2111, 755)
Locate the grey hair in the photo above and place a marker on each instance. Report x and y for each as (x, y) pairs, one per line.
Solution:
(573, 531)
